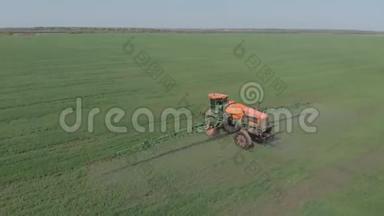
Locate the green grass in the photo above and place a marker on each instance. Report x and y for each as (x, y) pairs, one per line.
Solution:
(46, 171)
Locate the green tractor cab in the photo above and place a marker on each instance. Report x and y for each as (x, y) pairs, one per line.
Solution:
(217, 117)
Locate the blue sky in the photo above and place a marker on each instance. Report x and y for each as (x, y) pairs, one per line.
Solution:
(304, 14)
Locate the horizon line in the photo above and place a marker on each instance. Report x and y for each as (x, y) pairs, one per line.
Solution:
(187, 29)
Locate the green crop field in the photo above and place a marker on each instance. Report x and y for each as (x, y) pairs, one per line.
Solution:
(47, 171)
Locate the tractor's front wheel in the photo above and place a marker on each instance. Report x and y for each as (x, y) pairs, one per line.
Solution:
(212, 132)
(243, 139)
(230, 125)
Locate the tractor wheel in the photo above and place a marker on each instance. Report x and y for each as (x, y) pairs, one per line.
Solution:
(209, 122)
(210, 125)
(212, 132)
(230, 125)
(243, 139)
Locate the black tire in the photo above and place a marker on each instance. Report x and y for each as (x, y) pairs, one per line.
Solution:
(243, 139)
(229, 125)
(209, 122)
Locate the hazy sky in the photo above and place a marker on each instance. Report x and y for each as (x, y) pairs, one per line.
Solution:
(319, 14)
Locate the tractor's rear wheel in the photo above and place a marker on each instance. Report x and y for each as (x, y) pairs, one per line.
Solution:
(243, 139)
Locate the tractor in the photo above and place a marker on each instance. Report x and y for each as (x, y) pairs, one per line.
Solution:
(249, 125)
